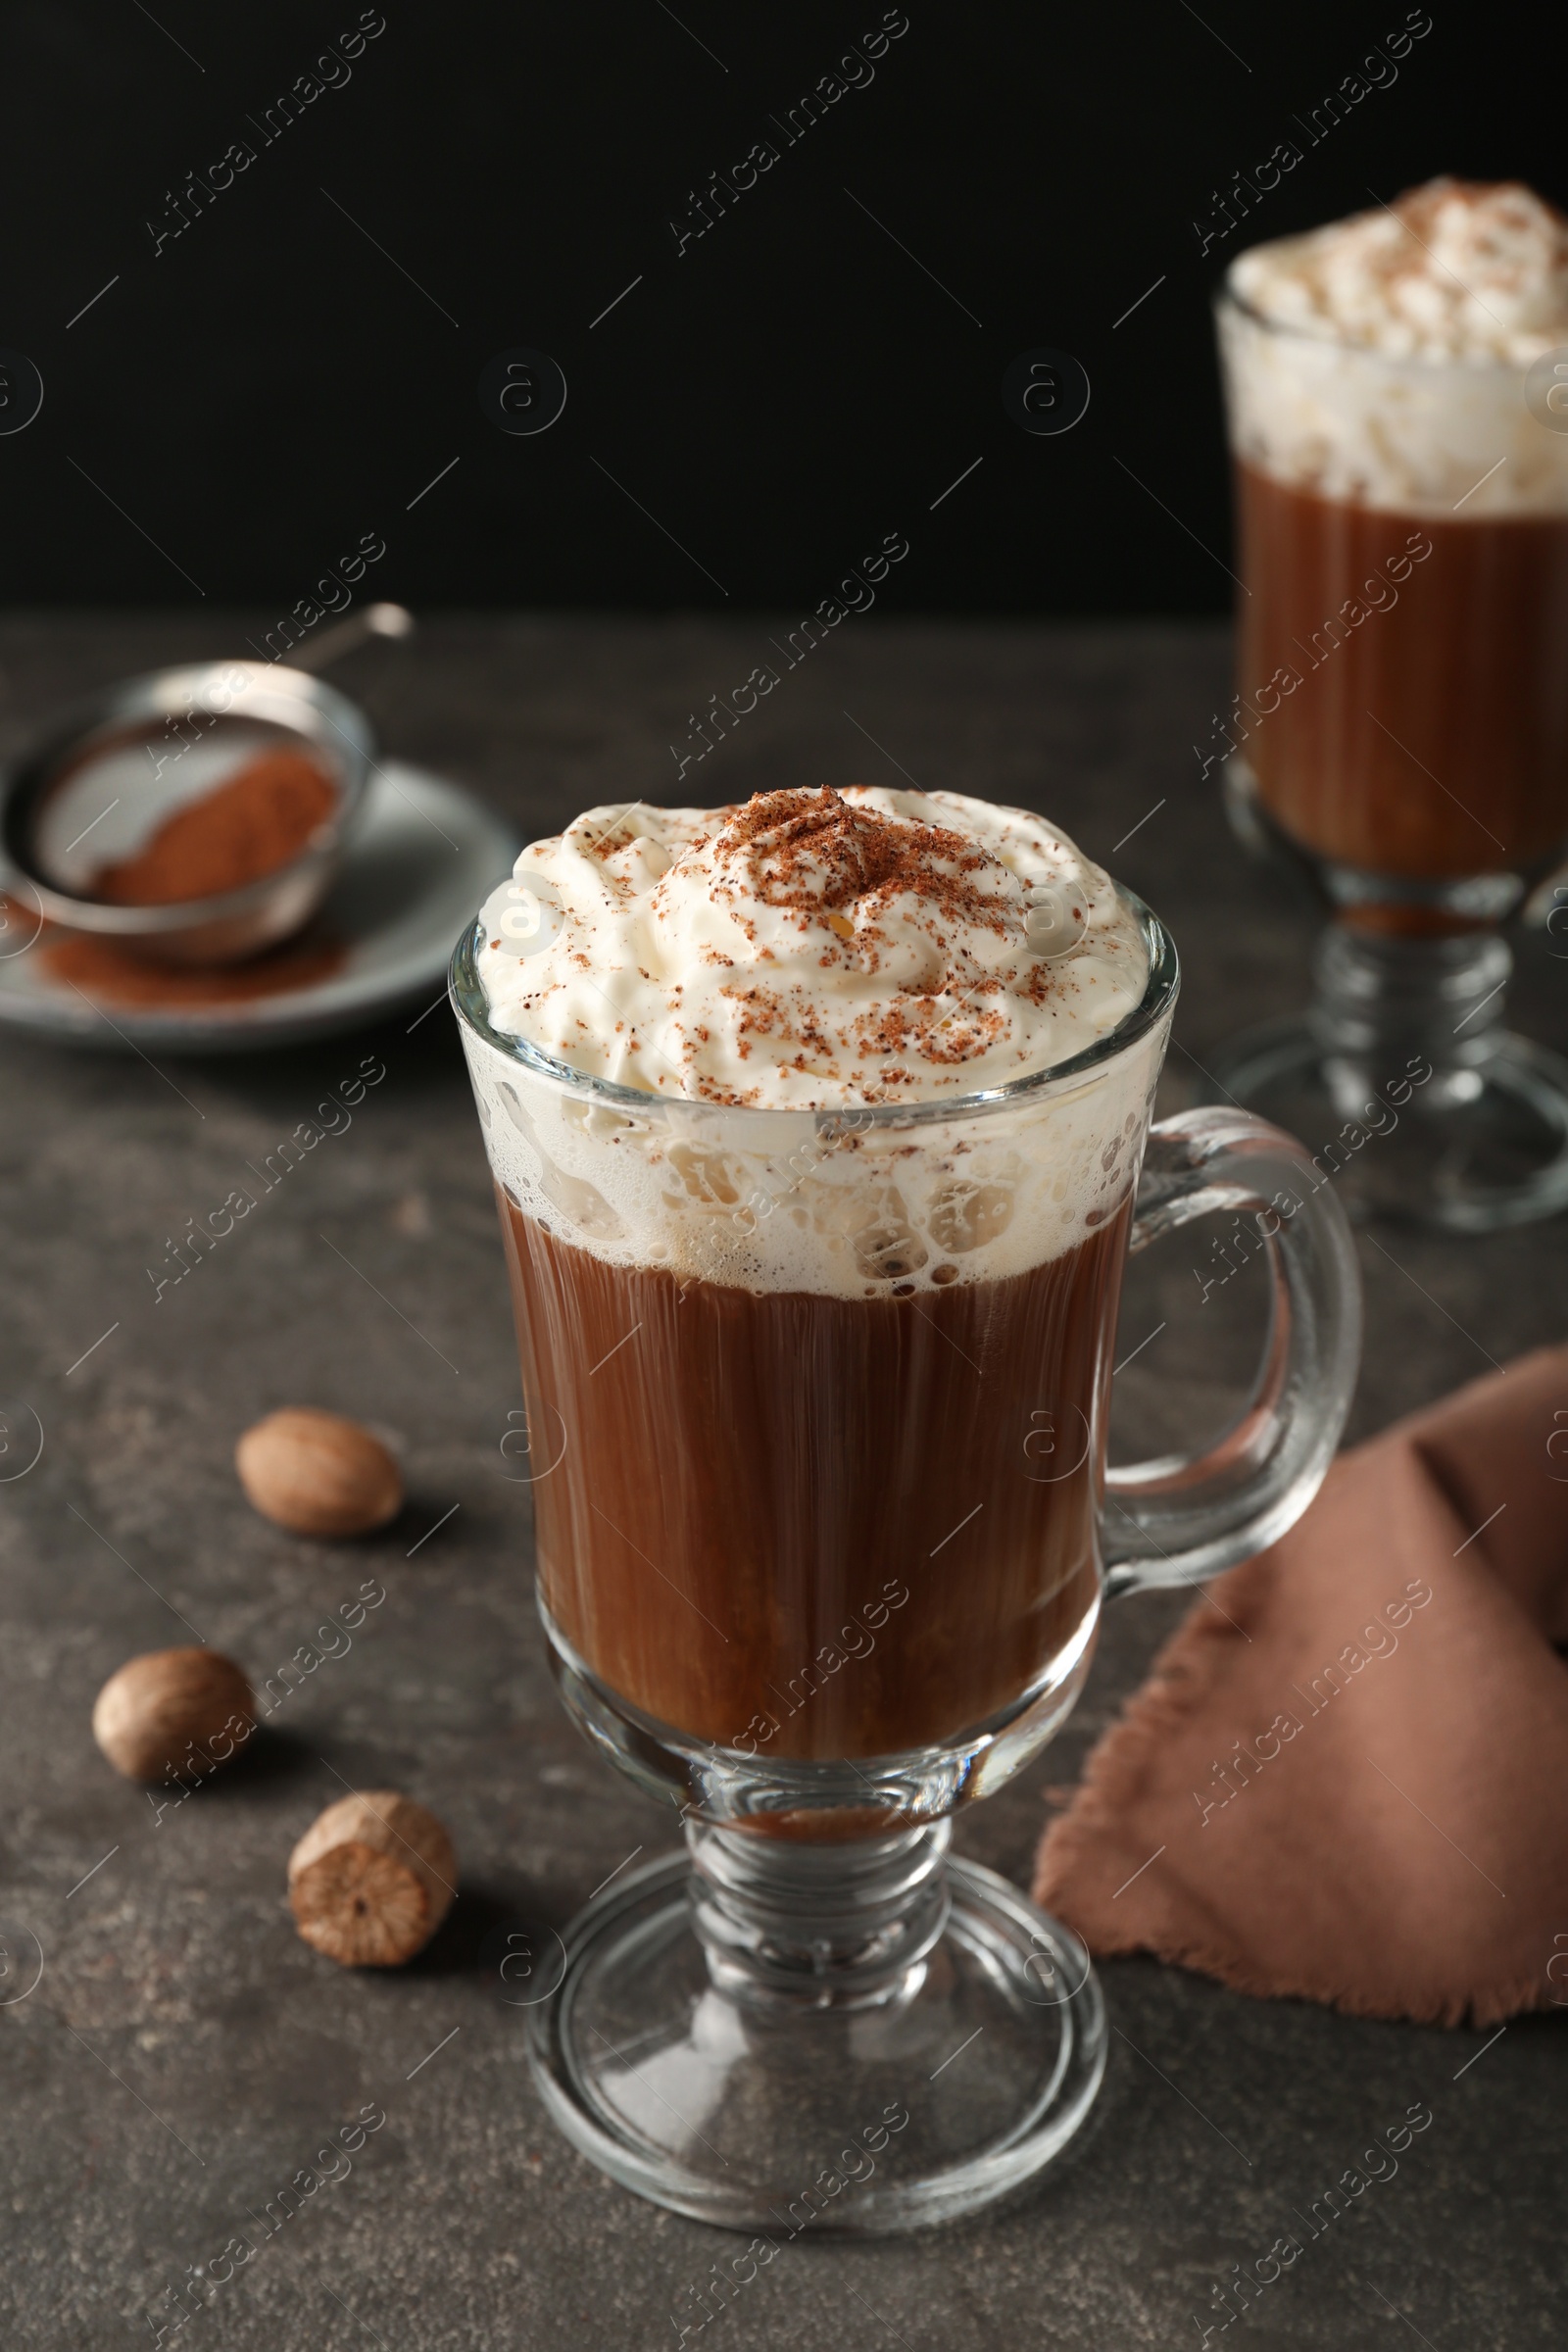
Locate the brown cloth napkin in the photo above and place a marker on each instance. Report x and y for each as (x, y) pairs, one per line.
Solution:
(1347, 1777)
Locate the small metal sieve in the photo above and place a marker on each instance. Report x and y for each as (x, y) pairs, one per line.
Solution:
(108, 771)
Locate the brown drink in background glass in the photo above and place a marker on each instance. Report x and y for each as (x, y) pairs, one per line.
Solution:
(1401, 487)
(1427, 739)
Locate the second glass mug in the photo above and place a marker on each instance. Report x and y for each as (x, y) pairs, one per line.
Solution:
(817, 1406)
(1402, 537)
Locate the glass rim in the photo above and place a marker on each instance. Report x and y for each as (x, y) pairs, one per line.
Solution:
(1226, 297)
(1160, 990)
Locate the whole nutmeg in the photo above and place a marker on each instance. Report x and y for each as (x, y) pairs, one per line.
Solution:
(372, 1880)
(319, 1473)
(173, 1711)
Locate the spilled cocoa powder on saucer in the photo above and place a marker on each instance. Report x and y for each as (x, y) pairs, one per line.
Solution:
(113, 975)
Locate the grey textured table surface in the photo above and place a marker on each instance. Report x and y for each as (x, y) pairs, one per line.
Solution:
(185, 2053)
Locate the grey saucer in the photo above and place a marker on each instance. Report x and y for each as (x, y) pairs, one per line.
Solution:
(423, 857)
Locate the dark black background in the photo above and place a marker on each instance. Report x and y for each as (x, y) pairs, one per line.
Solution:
(791, 388)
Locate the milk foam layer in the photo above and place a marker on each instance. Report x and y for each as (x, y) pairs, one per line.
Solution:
(852, 1205)
(825, 1195)
(1381, 358)
(812, 950)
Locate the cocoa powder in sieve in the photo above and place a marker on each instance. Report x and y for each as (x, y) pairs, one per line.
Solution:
(257, 820)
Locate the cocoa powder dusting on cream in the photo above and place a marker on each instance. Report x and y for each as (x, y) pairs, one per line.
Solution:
(816, 853)
(810, 947)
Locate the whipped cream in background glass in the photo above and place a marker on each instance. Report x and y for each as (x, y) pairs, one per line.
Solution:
(1382, 359)
(766, 975)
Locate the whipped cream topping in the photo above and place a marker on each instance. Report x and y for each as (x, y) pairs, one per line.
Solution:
(1403, 382)
(1456, 270)
(812, 950)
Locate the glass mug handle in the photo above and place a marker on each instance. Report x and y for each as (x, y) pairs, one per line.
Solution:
(1180, 1518)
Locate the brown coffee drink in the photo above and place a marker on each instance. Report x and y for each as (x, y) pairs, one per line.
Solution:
(1418, 723)
(808, 1526)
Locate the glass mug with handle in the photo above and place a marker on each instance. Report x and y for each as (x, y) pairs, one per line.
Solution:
(1401, 706)
(822, 1552)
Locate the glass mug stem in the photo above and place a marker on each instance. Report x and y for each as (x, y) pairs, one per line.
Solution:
(1435, 1006)
(787, 1925)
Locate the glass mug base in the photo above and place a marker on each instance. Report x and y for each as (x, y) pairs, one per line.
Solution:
(813, 2017)
(952, 2079)
(1489, 1151)
(1400, 1075)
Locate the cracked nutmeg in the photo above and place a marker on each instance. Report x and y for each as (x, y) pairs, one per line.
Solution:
(319, 1473)
(173, 1711)
(372, 1880)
